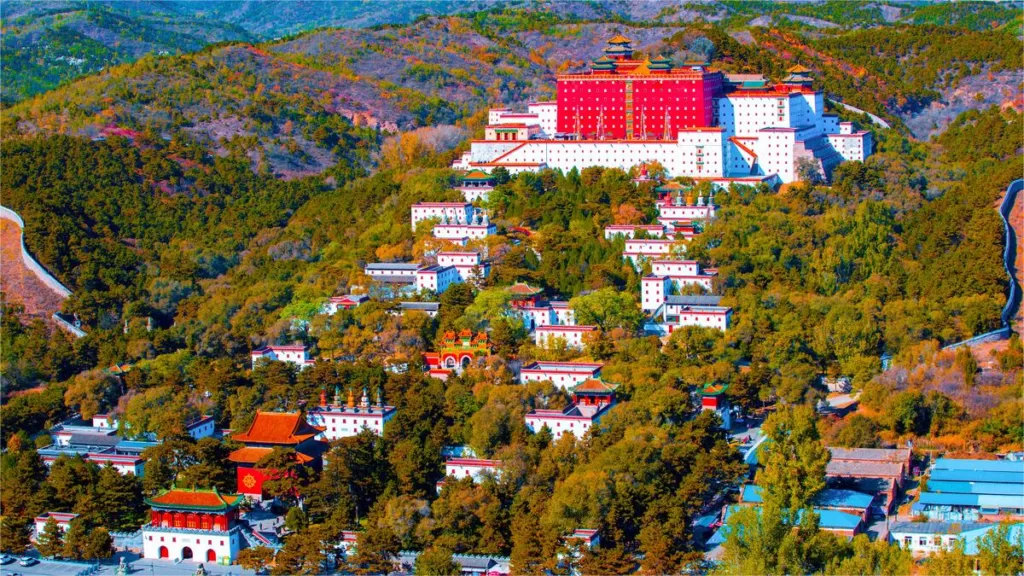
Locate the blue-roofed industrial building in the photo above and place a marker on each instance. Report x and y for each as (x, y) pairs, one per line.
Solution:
(835, 521)
(843, 511)
(973, 490)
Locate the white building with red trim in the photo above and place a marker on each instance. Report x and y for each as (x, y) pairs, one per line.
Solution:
(565, 375)
(123, 463)
(677, 209)
(544, 115)
(297, 354)
(535, 311)
(437, 278)
(201, 427)
(63, 520)
(763, 129)
(586, 537)
(572, 336)
(592, 399)
(637, 251)
(470, 265)
(344, 302)
(462, 233)
(341, 420)
(475, 468)
(631, 230)
(678, 311)
(445, 211)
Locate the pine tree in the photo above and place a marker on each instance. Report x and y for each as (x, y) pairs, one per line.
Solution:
(119, 500)
(255, 558)
(50, 541)
(15, 532)
(436, 561)
(376, 550)
(75, 540)
(794, 462)
(527, 555)
(99, 545)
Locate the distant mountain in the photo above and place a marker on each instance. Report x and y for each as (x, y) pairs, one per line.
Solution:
(281, 102)
(46, 43)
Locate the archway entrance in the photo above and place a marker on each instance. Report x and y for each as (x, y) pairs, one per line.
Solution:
(163, 552)
(186, 553)
(211, 556)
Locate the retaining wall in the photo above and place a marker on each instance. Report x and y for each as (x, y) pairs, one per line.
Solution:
(1013, 299)
(30, 262)
(36, 268)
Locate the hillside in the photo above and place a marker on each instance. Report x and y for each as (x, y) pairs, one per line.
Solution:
(49, 43)
(284, 104)
(207, 205)
(19, 284)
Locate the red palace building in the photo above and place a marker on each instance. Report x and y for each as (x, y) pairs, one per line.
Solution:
(271, 430)
(620, 98)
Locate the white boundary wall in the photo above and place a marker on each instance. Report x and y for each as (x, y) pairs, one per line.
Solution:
(45, 277)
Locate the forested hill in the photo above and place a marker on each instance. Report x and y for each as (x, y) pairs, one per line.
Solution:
(280, 103)
(50, 43)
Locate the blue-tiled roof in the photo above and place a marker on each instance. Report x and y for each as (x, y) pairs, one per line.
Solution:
(997, 488)
(981, 465)
(834, 498)
(976, 476)
(827, 498)
(751, 493)
(972, 537)
(836, 520)
(827, 520)
(979, 500)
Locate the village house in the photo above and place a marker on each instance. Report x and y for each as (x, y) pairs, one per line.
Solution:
(297, 354)
(926, 538)
(877, 471)
(346, 302)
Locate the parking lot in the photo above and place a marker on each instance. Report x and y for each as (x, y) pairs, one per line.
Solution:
(140, 567)
(48, 567)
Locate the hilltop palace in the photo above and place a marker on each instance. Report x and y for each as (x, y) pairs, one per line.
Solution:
(694, 121)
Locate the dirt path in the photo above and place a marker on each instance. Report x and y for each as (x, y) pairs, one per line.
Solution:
(18, 282)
